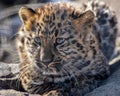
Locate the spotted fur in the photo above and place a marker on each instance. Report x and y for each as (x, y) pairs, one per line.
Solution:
(59, 52)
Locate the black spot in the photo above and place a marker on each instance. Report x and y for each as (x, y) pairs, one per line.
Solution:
(112, 22)
(97, 13)
(4, 56)
(67, 81)
(71, 37)
(83, 51)
(80, 35)
(56, 32)
(30, 35)
(53, 16)
(74, 53)
(77, 45)
(88, 62)
(46, 30)
(59, 25)
(33, 29)
(22, 40)
(41, 24)
(33, 22)
(24, 17)
(92, 47)
(22, 29)
(90, 25)
(94, 52)
(101, 21)
(74, 16)
(74, 41)
(64, 15)
(92, 41)
(43, 32)
(79, 57)
(105, 15)
(47, 17)
(29, 39)
(69, 23)
(98, 37)
(80, 47)
(39, 29)
(37, 24)
(25, 81)
(115, 30)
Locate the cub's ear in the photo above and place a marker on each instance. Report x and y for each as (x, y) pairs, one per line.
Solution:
(86, 18)
(25, 13)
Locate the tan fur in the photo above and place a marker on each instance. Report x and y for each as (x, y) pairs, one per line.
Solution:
(57, 47)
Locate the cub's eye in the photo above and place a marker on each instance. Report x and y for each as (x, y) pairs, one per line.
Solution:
(37, 40)
(60, 40)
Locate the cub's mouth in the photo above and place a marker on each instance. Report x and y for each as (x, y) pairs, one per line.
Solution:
(58, 83)
(56, 75)
(52, 78)
(54, 69)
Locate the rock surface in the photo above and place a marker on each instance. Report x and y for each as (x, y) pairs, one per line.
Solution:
(14, 93)
(7, 69)
(110, 87)
(9, 81)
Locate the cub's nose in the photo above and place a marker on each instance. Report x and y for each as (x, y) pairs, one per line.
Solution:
(46, 55)
(46, 58)
(46, 61)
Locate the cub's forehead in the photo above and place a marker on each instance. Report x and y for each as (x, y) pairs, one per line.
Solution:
(54, 13)
(59, 11)
(54, 18)
(55, 8)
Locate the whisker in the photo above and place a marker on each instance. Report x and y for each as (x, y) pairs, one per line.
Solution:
(17, 84)
(37, 90)
(13, 36)
(24, 70)
(23, 67)
(73, 75)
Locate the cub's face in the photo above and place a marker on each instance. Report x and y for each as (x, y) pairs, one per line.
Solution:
(54, 39)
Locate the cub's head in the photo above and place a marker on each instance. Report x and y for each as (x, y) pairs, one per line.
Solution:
(55, 39)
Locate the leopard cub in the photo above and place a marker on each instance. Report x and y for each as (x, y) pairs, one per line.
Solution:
(59, 51)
